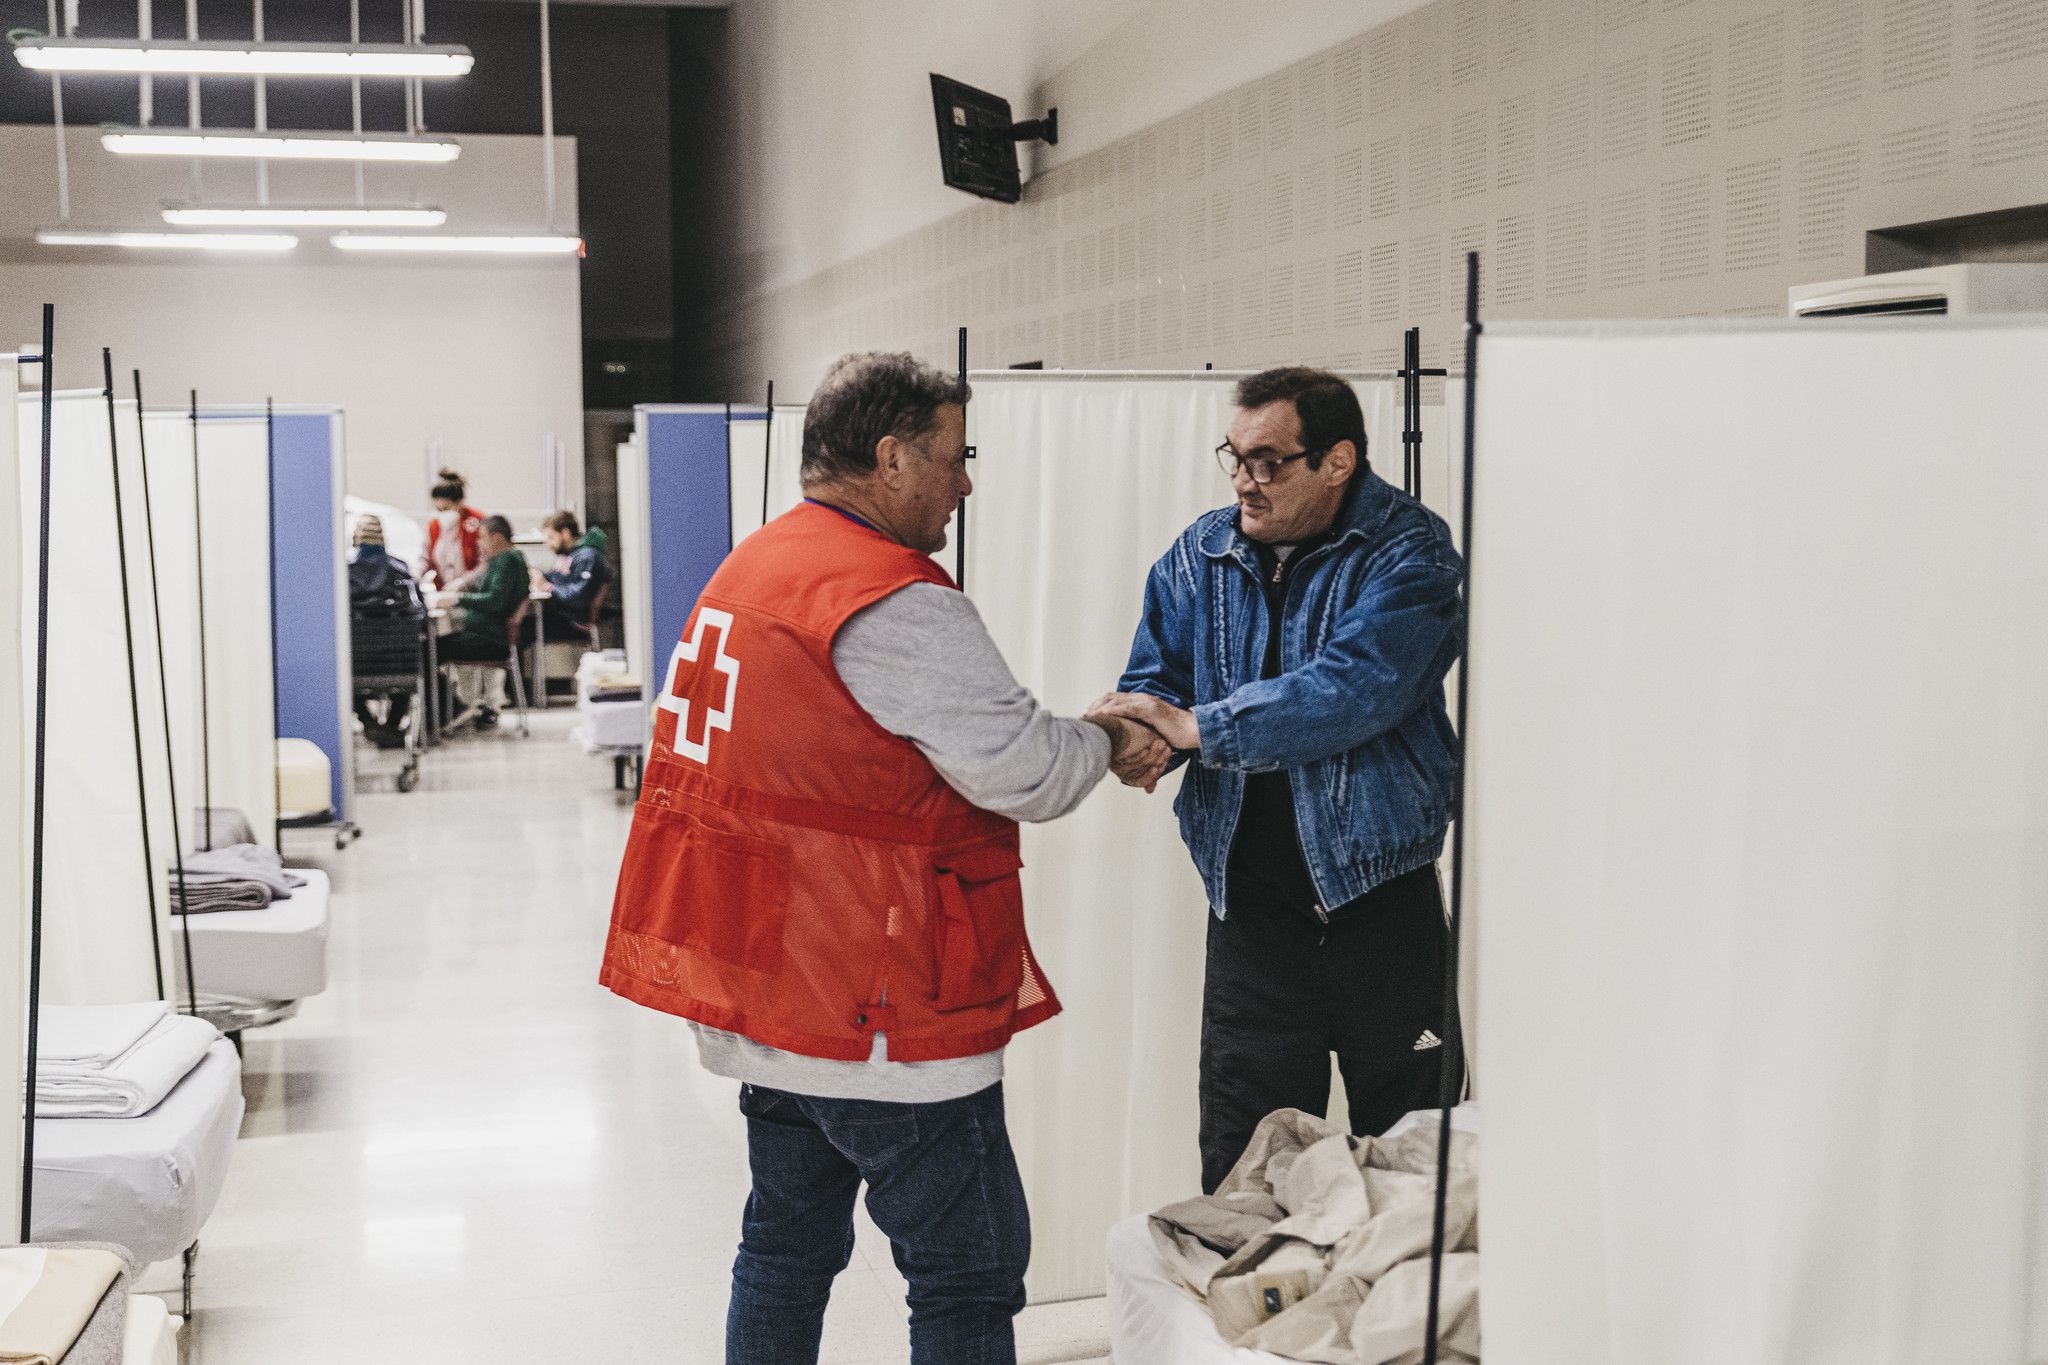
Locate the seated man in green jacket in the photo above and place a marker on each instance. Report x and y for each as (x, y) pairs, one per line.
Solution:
(483, 633)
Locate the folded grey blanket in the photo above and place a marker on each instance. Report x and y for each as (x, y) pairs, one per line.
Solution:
(105, 1331)
(213, 896)
(243, 862)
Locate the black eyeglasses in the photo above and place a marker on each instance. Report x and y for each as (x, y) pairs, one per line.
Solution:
(1262, 468)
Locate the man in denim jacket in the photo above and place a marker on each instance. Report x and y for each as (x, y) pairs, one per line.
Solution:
(1321, 763)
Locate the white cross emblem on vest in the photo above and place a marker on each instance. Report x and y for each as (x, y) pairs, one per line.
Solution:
(693, 740)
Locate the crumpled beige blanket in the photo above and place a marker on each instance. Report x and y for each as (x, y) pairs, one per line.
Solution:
(47, 1296)
(1316, 1246)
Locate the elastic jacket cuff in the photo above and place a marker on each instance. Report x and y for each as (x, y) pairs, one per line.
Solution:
(1219, 735)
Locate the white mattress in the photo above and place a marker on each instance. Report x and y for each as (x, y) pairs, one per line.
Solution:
(613, 724)
(150, 1334)
(147, 1183)
(1152, 1320)
(303, 779)
(276, 953)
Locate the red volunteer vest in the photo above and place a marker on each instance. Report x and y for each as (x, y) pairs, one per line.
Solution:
(796, 874)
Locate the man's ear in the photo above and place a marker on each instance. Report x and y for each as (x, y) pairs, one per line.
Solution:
(891, 455)
(1341, 461)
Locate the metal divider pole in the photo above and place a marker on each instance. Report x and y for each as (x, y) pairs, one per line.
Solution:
(156, 947)
(1450, 1081)
(767, 448)
(164, 680)
(205, 701)
(960, 543)
(39, 802)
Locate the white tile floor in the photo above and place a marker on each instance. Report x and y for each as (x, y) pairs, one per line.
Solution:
(465, 1150)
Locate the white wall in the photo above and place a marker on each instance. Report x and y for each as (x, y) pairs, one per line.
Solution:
(468, 361)
(1169, 55)
(835, 148)
(1219, 198)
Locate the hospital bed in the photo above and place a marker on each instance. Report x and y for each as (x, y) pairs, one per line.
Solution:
(252, 967)
(303, 785)
(147, 1183)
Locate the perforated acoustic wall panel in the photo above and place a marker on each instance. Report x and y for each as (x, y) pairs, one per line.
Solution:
(1611, 158)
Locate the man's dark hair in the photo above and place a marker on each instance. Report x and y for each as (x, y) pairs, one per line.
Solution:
(563, 521)
(864, 397)
(1327, 406)
(498, 526)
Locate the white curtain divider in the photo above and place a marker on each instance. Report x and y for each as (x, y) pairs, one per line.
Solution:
(636, 582)
(1758, 826)
(16, 756)
(233, 480)
(785, 460)
(168, 436)
(234, 486)
(1082, 481)
(784, 467)
(98, 873)
(746, 467)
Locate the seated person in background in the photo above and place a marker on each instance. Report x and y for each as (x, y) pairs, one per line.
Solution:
(572, 585)
(455, 556)
(380, 590)
(483, 628)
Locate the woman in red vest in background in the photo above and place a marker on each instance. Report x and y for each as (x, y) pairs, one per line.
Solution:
(454, 554)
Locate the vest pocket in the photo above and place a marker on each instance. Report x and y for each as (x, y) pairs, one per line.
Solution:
(722, 894)
(978, 932)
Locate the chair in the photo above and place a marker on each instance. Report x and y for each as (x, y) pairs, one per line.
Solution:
(590, 639)
(510, 663)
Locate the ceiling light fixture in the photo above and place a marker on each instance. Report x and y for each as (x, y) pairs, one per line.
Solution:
(197, 215)
(168, 241)
(501, 245)
(150, 57)
(280, 146)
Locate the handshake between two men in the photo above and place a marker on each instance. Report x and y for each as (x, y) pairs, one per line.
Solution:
(1309, 626)
(1145, 735)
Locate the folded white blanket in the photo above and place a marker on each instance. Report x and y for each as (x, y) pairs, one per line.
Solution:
(133, 1083)
(93, 1035)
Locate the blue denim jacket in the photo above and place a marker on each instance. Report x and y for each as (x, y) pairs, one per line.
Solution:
(1372, 624)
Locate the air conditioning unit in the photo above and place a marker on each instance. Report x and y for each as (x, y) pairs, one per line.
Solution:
(1978, 287)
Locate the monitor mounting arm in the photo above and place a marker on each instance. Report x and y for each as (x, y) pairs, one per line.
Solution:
(1046, 130)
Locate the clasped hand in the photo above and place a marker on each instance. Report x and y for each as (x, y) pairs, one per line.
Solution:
(1144, 732)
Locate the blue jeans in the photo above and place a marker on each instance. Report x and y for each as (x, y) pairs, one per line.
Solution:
(942, 1183)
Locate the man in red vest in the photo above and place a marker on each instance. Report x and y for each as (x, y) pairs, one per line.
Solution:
(822, 876)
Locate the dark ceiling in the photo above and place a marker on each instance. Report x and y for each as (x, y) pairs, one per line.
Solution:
(639, 154)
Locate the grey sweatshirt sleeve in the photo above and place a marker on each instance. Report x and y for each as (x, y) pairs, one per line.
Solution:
(921, 663)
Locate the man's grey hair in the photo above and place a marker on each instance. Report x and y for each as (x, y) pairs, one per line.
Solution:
(865, 396)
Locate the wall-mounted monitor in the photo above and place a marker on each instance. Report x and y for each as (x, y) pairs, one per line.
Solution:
(978, 139)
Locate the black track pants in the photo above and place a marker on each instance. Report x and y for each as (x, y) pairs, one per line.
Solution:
(1283, 991)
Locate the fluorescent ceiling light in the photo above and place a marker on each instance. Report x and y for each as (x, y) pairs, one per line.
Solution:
(511, 246)
(281, 146)
(196, 215)
(169, 241)
(153, 57)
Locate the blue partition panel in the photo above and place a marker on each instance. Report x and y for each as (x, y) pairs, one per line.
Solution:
(306, 562)
(689, 502)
